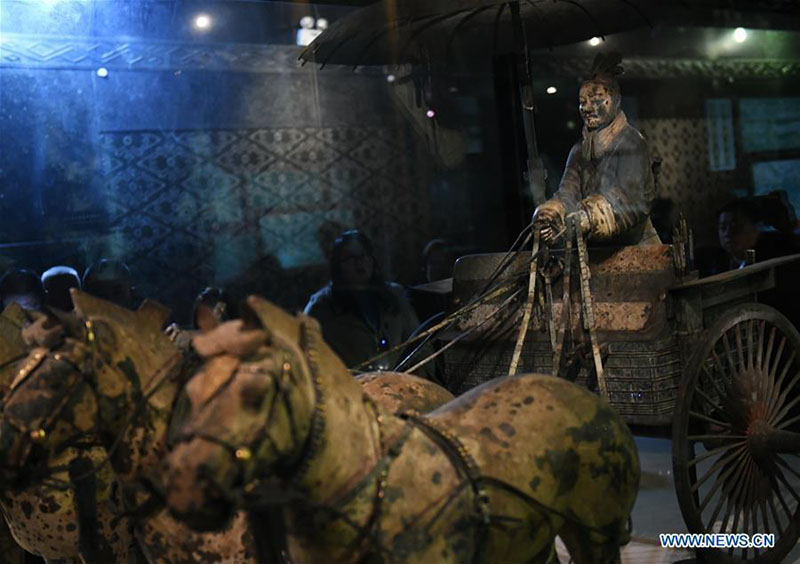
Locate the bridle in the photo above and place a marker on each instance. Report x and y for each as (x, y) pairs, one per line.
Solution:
(80, 371)
(256, 493)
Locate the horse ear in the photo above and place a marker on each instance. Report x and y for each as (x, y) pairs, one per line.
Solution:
(274, 320)
(154, 314)
(86, 305)
(12, 346)
(15, 313)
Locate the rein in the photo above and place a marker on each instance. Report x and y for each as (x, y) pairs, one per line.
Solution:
(82, 375)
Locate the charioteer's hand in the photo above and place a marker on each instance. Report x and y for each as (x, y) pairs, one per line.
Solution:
(548, 219)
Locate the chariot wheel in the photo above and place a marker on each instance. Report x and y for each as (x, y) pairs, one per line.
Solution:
(736, 434)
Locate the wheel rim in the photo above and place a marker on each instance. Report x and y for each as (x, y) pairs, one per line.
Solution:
(741, 385)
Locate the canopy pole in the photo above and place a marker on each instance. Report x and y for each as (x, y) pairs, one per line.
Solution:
(535, 174)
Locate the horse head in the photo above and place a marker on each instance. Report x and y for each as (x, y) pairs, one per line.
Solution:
(88, 383)
(269, 394)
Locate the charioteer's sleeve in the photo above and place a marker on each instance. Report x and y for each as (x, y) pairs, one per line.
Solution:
(566, 199)
(625, 195)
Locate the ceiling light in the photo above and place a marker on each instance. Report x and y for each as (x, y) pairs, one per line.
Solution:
(431, 114)
(202, 21)
(552, 89)
(102, 72)
(594, 41)
(740, 35)
(390, 78)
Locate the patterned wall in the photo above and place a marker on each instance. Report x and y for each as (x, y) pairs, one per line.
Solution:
(248, 207)
(686, 179)
(190, 177)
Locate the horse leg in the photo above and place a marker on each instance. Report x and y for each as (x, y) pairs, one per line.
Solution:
(585, 548)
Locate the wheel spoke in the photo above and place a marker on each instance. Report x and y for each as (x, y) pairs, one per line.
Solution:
(712, 452)
(764, 518)
(733, 497)
(719, 480)
(723, 499)
(786, 408)
(754, 523)
(775, 395)
(716, 437)
(775, 515)
(776, 488)
(716, 386)
(708, 419)
(745, 514)
(788, 422)
(787, 466)
(728, 352)
(778, 356)
(739, 347)
(717, 362)
(769, 382)
(786, 483)
(768, 354)
(760, 345)
(751, 345)
(723, 460)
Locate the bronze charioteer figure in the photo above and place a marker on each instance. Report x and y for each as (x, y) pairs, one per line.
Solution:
(608, 182)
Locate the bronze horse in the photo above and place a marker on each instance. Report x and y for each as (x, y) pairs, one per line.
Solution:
(494, 476)
(42, 509)
(110, 382)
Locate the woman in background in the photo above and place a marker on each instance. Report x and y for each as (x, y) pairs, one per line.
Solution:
(361, 314)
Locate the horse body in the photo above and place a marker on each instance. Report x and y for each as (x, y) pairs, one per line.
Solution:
(114, 380)
(493, 476)
(401, 391)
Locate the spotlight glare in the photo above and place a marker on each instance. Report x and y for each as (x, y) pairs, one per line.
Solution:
(594, 41)
(390, 78)
(431, 114)
(552, 89)
(202, 21)
(102, 72)
(740, 35)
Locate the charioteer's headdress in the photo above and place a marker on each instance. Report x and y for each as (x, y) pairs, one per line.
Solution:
(605, 70)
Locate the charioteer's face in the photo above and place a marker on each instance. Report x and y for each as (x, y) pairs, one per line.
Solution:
(596, 105)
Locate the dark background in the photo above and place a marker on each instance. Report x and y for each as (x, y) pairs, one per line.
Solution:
(215, 158)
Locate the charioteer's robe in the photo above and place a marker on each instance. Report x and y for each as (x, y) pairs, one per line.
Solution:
(609, 175)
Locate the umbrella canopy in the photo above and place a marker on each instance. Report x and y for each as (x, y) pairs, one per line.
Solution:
(414, 31)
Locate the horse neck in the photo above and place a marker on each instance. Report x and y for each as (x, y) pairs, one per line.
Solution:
(344, 442)
(137, 432)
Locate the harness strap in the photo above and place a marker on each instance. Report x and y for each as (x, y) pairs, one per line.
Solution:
(466, 466)
(85, 485)
(526, 315)
(590, 323)
(566, 306)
